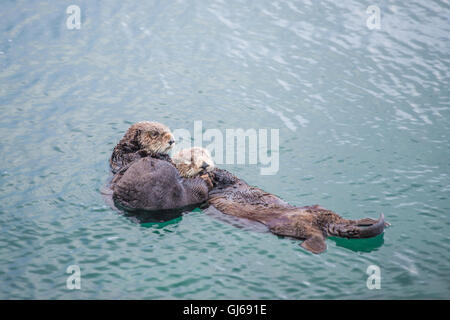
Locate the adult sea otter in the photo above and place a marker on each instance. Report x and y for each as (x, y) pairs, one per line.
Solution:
(145, 178)
(142, 139)
(233, 196)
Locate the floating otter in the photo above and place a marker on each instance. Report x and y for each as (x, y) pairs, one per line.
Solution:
(142, 139)
(233, 196)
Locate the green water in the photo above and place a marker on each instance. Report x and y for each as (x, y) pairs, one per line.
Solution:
(364, 128)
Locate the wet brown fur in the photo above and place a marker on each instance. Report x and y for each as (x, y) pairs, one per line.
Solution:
(235, 197)
(153, 184)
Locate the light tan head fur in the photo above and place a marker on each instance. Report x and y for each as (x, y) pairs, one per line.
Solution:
(152, 137)
(193, 162)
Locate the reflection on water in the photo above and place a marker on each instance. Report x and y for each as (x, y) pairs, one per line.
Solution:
(154, 216)
(360, 245)
(160, 224)
(363, 119)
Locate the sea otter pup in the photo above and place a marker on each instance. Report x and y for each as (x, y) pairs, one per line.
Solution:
(194, 162)
(233, 196)
(154, 184)
(142, 139)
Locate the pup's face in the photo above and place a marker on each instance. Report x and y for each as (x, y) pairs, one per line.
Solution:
(155, 137)
(193, 162)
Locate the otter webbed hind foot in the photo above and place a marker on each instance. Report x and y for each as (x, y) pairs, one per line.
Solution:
(350, 229)
(368, 222)
(315, 244)
(373, 229)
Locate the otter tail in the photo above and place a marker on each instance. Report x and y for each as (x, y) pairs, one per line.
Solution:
(365, 228)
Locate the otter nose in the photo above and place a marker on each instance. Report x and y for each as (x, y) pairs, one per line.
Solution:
(204, 165)
(171, 142)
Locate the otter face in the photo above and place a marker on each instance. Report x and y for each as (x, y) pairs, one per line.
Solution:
(154, 137)
(193, 162)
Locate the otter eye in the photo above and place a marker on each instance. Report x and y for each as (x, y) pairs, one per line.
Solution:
(153, 134)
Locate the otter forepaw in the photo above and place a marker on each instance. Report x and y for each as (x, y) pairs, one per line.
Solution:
(208, 181)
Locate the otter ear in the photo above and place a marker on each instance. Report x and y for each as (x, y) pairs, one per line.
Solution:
(135, 139)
